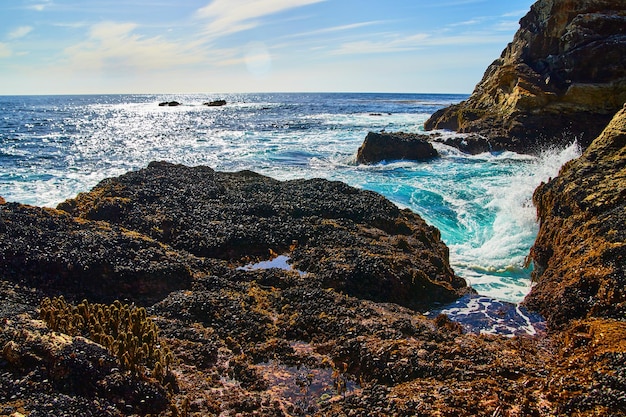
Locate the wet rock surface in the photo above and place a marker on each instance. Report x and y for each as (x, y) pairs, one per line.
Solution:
(580, 251)
(562, 76)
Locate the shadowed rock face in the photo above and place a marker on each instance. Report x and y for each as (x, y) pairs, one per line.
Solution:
(351, 240)
(580, 252)
(563, 75)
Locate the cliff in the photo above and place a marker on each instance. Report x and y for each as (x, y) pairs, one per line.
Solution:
(580, 251)
(562, 76)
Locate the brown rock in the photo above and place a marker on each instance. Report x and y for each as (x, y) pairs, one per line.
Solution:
(379, 147)
(564, 75)
(580, 252)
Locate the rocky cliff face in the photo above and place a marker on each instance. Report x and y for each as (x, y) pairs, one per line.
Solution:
(580, 252)
(564, 75)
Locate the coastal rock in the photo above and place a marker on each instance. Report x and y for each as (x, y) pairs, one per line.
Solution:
(215, 103)
(49, 250)
(379, 147)
(351, 240)
(169, 104)
(580, 251)
(563, 76)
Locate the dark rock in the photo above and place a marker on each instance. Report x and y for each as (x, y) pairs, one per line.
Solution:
(169, 104)
(471, 144)
(580, 251)
(215, 103)
(563, 76)
(379, 147)
(352, 240)
(49, 250)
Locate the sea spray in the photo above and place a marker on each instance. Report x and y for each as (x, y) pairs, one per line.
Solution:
(495, 266)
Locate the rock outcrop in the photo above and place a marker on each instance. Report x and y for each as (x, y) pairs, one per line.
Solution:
(563, 76)
(379, 147)
(269, 342)
(49, 250)
(215, 103)
(580, 251)
(355, 241)
(169, 104)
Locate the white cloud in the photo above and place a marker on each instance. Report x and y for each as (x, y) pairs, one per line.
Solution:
(385, 44)
(20, 32)
(40, 7)
(114, 47)
(231, 16)
(5, 51)
(390, 44)
(336, 29)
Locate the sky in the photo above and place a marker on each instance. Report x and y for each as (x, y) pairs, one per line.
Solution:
(203, 46)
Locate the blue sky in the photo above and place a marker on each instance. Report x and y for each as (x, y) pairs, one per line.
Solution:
(188, 46)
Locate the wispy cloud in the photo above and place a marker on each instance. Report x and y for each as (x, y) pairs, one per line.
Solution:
(231, 16)
(516, 13)
(414, 42)
(40, 6)
(334, 29)
(115, 47)
(5, 51)
(20, 32)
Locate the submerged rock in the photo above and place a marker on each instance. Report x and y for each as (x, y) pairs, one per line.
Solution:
(564, 75)
(379, 147)
(580, 251)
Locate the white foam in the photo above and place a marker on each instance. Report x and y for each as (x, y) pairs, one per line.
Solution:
(502, 253)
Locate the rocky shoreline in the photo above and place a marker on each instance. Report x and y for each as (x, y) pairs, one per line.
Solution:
(330, 338)
(138, 298)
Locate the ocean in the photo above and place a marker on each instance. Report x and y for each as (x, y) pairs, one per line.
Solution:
(53, 147)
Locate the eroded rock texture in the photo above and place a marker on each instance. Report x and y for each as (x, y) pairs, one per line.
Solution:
(580, 252)
(351, 240)
(564, 75)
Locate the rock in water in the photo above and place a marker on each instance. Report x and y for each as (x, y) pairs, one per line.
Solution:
(379, 147)
(580, 252)
(563, 75)
(351, 240)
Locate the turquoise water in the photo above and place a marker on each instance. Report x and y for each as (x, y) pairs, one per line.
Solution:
(52, 147)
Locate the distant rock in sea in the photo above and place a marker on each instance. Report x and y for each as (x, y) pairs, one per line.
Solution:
(215, 103)
(564, 75)
(379, 147)
(169, 104)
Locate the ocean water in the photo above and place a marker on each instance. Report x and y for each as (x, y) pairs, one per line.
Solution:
(52, 147)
